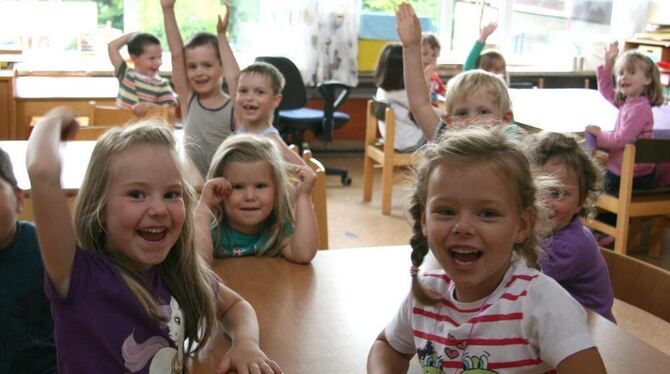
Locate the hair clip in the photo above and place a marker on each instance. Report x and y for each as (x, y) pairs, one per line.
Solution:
(413, 271)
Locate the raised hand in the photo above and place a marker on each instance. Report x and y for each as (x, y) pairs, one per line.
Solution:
(611, 52)
(486, 31)
(167, 3)
(222, 23)
(215, 191)
(407, 23)
(305, 180)
(65, 118)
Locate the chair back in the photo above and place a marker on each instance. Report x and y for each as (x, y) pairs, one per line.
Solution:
(639, 283)
(334, 93)
(652, 150)
(294, 94)
(108, 115)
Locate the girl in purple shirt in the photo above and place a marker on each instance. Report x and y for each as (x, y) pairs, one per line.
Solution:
(572, 256)
(129, 292)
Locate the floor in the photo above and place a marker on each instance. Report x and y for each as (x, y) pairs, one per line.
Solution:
(354, 223)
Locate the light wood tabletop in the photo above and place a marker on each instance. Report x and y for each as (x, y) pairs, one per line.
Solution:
(324, 317)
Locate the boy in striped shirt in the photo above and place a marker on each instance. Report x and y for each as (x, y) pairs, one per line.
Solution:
(140, 88)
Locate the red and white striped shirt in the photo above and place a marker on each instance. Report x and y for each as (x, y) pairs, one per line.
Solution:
(528, 325)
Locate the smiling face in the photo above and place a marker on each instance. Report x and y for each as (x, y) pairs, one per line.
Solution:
(429, 54)
(252, 197)
(145, 212)
(631, 79)
(472, 222)
(255, 101)
(565, 203)
(203, 69)
(149, 61)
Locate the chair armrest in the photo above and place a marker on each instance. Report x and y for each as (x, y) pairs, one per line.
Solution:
(327, 89)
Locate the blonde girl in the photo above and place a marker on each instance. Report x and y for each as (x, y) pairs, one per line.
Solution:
(250, 207)
(198, 71)
(474, 207)
(126, 283)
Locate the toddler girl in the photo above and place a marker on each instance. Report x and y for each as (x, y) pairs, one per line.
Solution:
(638, 89)
(125, 281)
(198, 70)
(249, 195)
(489, 60)
(474, 206)
(573, 258)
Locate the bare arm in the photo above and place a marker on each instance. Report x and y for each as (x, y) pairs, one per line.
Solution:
(213, 193)
(586, 361)
(114, 50)
(231, 70)
(286, 152)
(418, 94)
(384, 359)
(55, 230)
(176, 46)
(305, 240)
(240, 323)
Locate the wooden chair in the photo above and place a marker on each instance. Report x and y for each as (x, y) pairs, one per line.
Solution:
(639, 283)
(381, 155)
(110, 115)
(630, 204)
(91, 132)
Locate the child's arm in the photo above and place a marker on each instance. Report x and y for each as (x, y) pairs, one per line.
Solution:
(418, 93)
(231, 70)
(384, 359)
(287, 154)
(240, 324)
(473, 56)
(604, 73)
(176, 46)
(586, 361)
(214, 192)
(55, 230)
(305, 240)
(114, 48)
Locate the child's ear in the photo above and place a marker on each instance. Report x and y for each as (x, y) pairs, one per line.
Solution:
(526, 224)
(20, 200)
(508, 117)
(277, 101)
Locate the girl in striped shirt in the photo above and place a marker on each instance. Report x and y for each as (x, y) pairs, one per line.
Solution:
(488, 309)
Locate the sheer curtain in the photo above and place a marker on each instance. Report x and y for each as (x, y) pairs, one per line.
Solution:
(319, 36)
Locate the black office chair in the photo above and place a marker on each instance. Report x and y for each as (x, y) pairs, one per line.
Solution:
(293, 118)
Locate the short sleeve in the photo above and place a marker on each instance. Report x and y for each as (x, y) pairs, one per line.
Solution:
(399, 331)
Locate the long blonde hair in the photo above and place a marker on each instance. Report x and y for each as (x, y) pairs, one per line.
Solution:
(654, 90)
(470, 146)
(250, 148)
(182, 271)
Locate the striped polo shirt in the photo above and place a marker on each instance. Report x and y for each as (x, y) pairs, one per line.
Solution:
(135, 88)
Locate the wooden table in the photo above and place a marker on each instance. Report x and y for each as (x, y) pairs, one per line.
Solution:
(324, 317)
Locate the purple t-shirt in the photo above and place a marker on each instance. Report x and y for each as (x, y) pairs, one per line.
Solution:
(100, 327)
(575, 262)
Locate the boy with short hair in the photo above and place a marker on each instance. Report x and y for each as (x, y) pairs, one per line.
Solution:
(140, 88)
(26, 342)
(470, 95)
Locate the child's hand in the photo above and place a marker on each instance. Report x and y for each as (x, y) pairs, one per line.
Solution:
(222, 24)
(594, 130)
(167, 3)
(247, 358)
(611, 52)
(486, 31)
(305, 180)
(140, 109)
(407, 23)
(65, 117)
(215, 191)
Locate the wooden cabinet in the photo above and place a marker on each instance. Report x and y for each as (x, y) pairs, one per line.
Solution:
(656, 50)
(7, 108)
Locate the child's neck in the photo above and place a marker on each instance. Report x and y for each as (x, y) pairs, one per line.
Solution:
(257, 127)
(213, 99)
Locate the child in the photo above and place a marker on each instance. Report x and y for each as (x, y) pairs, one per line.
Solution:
(489, 60)
(391, 90)
(26, 342)
(258, 95)
(129, 256)
(469, 95)
(573, 258)
(430, 51)
(140, 88)
(638, 89)
(248, 193)
(474, 205)
(198, 72)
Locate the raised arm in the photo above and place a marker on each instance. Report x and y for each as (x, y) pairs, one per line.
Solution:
(114, 50)
(176, 46)
(473, 56)
(418, 94)
(55, 230)
(214, 192)
(231, 70)
(240, 324)
(287, 154)
(305, 240)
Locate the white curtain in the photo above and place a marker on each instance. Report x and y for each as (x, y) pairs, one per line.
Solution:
(319, 36)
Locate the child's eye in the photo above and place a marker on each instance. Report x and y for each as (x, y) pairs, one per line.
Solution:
(556, 194)
(487, 213)
(136, 194)
(483, 112)
(238, 187)
(447, 212)
(173, 195)
(261, 185)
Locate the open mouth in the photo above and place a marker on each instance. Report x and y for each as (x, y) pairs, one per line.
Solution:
(153, 234)
(464, 256)
(249, 108)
